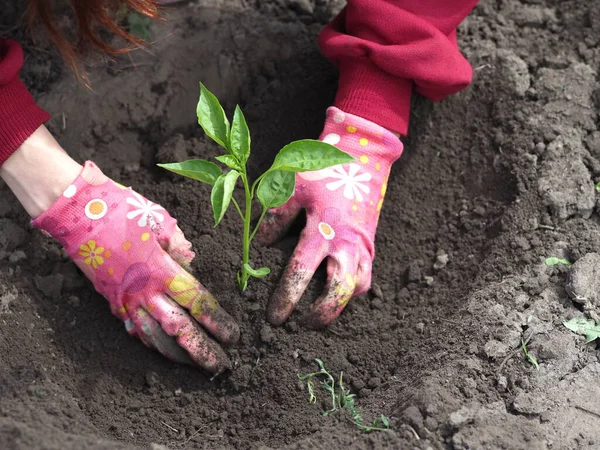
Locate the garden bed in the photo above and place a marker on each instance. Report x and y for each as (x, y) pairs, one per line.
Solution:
(498, 178)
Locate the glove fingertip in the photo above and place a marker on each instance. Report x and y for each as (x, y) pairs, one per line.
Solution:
(178, 247)
(229, 332)
(315, 321)
(278, 313)
(275, 318)
(219, 363)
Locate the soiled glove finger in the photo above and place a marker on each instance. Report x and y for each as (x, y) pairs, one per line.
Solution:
(296, 277)
(193, 296)
(277, 222)
(176, 322)
(341, 285)
(144, 326)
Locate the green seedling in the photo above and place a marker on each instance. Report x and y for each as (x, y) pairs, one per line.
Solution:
(597, 186)
(586, 327)
(273, 188)
(341, 398)
(553, 261)
(138, 25)
(532, 359)
(135, 23)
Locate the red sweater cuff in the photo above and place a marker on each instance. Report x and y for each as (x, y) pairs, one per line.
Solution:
(19, 115)
(373, 94)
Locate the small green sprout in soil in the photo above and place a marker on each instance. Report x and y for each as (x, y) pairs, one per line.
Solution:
(586, 327)
(597, 186)
(532, 359)
(135, 23)
(273, 188)
(553, 261)
(341, 398)
(138, 25)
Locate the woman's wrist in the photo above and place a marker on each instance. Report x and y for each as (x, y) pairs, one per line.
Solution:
(39, 171)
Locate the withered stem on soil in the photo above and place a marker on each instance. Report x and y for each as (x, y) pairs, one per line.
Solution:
(169, 426)
(589, 411)
(414, 432)
(196, 433)
(513, 353)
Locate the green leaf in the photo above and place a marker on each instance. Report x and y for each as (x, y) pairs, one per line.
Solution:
(240, 136)
(198, 169)
(138, 25)
(385, 421)
(275, 188)
(212, 118)
(553, 261)
(257, 273)
(230, 161)
(586, 327)
(220, 197)
(597, 186)
(532, 359)
(308, 154)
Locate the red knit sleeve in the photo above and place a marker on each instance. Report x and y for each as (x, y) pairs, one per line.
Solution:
(384, 49)
(19, 115)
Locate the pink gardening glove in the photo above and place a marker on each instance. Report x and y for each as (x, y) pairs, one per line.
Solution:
(342, 206)
(131, 249)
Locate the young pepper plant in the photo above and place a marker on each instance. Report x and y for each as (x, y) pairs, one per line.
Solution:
(273, 188)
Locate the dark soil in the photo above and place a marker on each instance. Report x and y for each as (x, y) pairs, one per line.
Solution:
(497, 178)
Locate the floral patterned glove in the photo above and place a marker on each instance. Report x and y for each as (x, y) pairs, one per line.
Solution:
(131, 249)
(342, 206)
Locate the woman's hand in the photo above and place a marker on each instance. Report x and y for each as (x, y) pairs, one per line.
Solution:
(342, 206)
(130, 248)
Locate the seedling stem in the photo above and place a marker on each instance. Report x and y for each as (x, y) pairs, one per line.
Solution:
(273, 188)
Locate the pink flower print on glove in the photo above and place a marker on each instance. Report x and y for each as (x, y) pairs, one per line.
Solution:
(342, 206)
(132, 250)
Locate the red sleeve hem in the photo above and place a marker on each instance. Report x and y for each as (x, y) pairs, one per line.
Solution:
(373, 94)
(23, 119)
(19, 114)
(391, 46)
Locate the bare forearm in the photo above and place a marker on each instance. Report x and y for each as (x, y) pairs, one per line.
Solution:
(39, 172)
